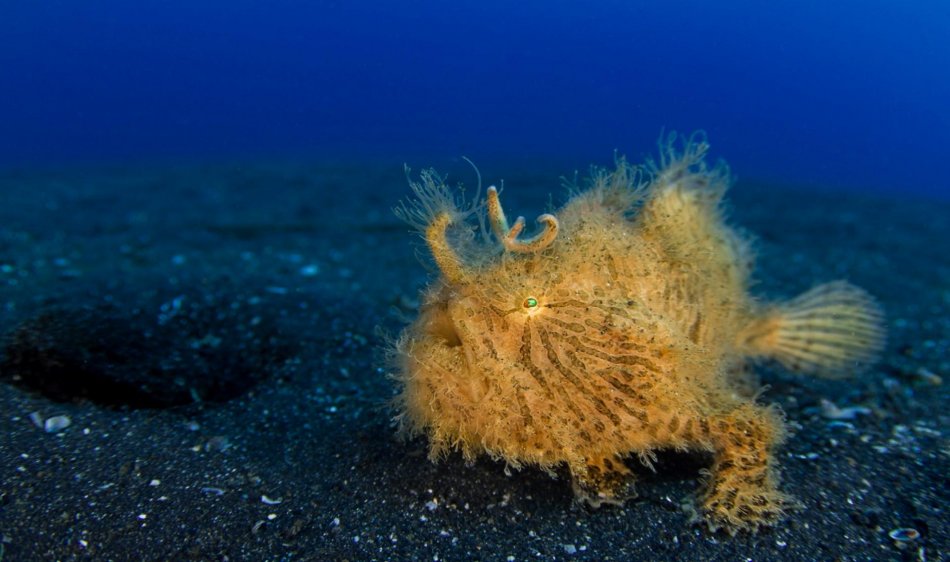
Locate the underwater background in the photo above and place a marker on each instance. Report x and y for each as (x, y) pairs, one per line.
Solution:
(200, 269)
(832, 94)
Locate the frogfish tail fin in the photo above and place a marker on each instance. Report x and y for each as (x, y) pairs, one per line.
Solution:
(834, 330)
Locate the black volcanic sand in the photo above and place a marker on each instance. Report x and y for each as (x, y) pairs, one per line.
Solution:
(212, 337)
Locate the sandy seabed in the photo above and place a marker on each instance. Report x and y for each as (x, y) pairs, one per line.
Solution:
(191, 371)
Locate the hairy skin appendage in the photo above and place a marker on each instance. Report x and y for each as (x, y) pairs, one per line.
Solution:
(622, 327)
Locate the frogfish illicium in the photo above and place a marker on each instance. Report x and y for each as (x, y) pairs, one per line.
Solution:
(622, 327)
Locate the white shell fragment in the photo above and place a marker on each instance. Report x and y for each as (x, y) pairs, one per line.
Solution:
(832, 412)
(904, 534)
(56, 423)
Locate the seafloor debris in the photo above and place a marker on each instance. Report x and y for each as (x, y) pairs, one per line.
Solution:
(832, 412)
(904, 534)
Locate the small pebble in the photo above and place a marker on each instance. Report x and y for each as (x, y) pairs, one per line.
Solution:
(904, 534)
(929, 376)
(218, 444)
(56, 423)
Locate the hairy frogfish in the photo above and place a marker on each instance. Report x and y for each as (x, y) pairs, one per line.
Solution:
(623, 326)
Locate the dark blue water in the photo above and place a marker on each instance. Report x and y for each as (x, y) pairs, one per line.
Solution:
(849, 94)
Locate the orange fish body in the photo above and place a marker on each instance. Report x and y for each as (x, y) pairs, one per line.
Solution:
(622, 328)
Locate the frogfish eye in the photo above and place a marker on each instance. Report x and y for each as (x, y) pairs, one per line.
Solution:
(530, 303)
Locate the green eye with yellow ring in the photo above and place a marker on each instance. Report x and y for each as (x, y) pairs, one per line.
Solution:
(530, 302)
